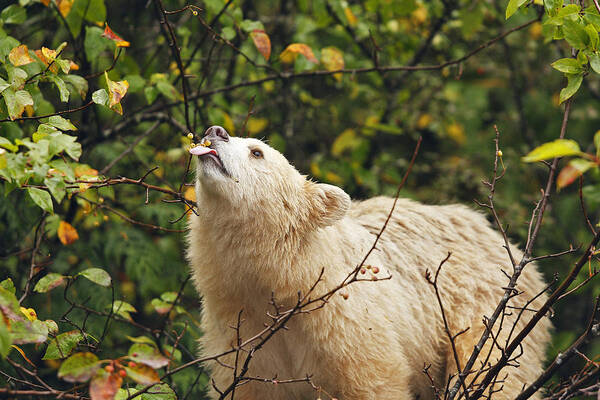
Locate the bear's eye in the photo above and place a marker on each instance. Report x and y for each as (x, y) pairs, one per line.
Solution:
(256, 153)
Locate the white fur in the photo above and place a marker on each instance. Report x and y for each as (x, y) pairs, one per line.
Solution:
(263, 228)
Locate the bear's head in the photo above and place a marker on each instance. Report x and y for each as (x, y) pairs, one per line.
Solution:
(245, 179)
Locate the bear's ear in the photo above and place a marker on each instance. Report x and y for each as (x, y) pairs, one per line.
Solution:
(328, 203)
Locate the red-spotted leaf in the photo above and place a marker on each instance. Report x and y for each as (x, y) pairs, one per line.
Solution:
(104, 385)
(20, 56)
(80, 367)
(141, 373)
(573, 170)
(148, 355)
(109, 34)
(22, 332)
(262, 42)
(49, 282)
(291, 52)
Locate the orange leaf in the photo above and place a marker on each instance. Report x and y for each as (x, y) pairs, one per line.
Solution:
(20, 56)
(352, 20)
(66, 233)
(46, 2)
(573, 170)
(104, 386)
(109, 34)
(48, 54)
(290, 53)
(262, 42)
(85, 170)
(333, 60)
(116, 91)
(64, 6)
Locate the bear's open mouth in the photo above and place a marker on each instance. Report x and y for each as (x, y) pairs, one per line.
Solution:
(202, 151)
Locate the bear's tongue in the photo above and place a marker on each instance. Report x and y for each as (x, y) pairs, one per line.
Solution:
(201, 150)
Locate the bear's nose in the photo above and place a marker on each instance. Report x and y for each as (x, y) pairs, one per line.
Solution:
(216, 133)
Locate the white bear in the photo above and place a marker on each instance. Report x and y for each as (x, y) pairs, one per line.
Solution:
(263, 229)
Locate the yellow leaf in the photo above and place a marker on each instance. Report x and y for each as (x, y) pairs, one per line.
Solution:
(29, 313)
(190, 194)
(456, 132)
(20, 56)
(424, 121)
(346, 140)
(228, 124)
(290, 53)
(116, 91)
(334, 178)
(66, 233)
(315, 170)
(262, 42)
(419, 15)
(256, 125)
(352, 20)
(49, 54)
(64, 6)
(333, 60)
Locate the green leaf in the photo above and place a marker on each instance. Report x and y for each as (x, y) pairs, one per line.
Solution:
(13, 15)
(161, 391)
(16, 102)
(569, 9)
(8, 285)
(97, 275)
(100, 96)
(567, 65)
(595, 62)
(41, 198)
(49, 282)
(148, 355)
(593, 35)
(62, 345)
(7, 144)
(61, 123)
(3, 85)
(142, 339)
(94, 43)
(597, 143)
(552, 6)
(62, 87)
(575, 34)
(23, 332)
(228, 33)
(513, 6)
(249, 25)
(52, 326)
(557, 148)
(168, 90)
(57, 187)
(62, 142)
(80, 367)
(79, 84)
(574, 81)
(5, 341)
(161, 306)
(123, 309)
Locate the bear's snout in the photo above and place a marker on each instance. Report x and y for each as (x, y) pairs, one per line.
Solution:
(216, 133)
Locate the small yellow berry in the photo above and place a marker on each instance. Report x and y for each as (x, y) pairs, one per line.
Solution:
(375, 270)
(194, 12)
(499, 153)
(205, 143)
(190, 135)
(192, 144)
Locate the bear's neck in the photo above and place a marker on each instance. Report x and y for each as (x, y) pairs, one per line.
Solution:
(243, 261)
